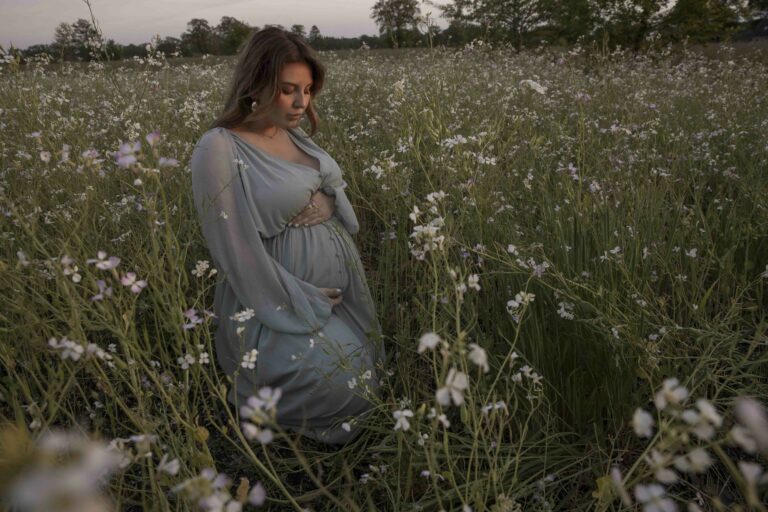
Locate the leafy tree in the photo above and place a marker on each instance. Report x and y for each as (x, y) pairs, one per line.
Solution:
(460, 17)
(394, 16)
(169, 46)
(231, 33)
(501, 19)
(517, 18)
(701, 20)
(569, 20)
(626, 22)
(85, 34)
(64, 41)
(299, 30)
(73, 41)
(759, 7)
(314, 34)
(130, 51)
(39, 49)
(199, 38)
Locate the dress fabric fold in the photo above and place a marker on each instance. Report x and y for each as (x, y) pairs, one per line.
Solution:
(326, 360)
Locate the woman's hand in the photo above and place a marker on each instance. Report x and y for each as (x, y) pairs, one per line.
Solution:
(321, 212)
(319, 209)
(334, 294)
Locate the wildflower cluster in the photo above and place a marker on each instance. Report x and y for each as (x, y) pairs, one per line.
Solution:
(105, 262)
(66, 471)
(73, 350)
(260, 410)
(193, 320)
(686, 438)
(533, 85)
(381, 169)
(516, 306)
(209, 491)
(242, 317)
(249, 359)
(201, 266)
(129, 155)
(473, 282)
(188, 359)
(426, 237)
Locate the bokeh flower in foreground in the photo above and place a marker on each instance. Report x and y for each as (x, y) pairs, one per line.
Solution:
(428, 341)
(63, 472)
(126, 155)
(455, 384)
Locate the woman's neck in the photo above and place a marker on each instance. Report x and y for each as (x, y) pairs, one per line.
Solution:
(268, 132)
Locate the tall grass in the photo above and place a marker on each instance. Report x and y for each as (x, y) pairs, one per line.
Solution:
(625, 193)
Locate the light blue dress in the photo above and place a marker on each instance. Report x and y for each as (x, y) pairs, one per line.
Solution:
(326, 360)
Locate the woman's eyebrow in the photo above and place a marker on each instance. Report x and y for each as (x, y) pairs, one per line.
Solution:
(291, 83)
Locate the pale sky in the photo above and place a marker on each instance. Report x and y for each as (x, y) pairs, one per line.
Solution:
(28, 22)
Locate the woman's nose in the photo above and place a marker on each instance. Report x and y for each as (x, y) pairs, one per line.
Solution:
(299, 101)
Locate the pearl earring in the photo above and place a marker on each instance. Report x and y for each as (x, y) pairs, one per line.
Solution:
(254, 104)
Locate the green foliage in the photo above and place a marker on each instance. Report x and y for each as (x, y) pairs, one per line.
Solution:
(71, 41)
(198, 39)
(700, 20)
(231, 33)
(394, 17)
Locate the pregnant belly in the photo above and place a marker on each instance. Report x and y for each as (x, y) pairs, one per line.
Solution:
(320, 254)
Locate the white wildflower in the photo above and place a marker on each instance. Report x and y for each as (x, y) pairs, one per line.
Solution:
(566, 310)
(428, 341)
(455, 384)
(753, 417)
(671, 392)
(478, 356)
(751, 471)
(102, 262)
(653, 498)
(697, 460)
(642, 422)
(200, 267)
(658, 463)
(171, 467)
(258, 495)
(521, 299)
(242, 316)
(534, 86)
(402, 419)
(249, 359)
(186, 360)
(743, 438)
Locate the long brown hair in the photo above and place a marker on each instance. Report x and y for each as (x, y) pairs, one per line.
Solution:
(256, 75)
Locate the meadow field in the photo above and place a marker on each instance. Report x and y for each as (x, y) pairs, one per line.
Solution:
(568, 250)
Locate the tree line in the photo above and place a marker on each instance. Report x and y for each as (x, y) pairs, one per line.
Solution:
(403, 23)
(629, 23)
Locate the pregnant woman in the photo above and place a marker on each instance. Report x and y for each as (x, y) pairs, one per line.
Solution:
(278, 224)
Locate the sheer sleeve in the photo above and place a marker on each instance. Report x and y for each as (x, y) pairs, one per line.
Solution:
(230, 226)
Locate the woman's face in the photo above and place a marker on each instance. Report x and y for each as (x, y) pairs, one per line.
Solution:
(293, 96)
